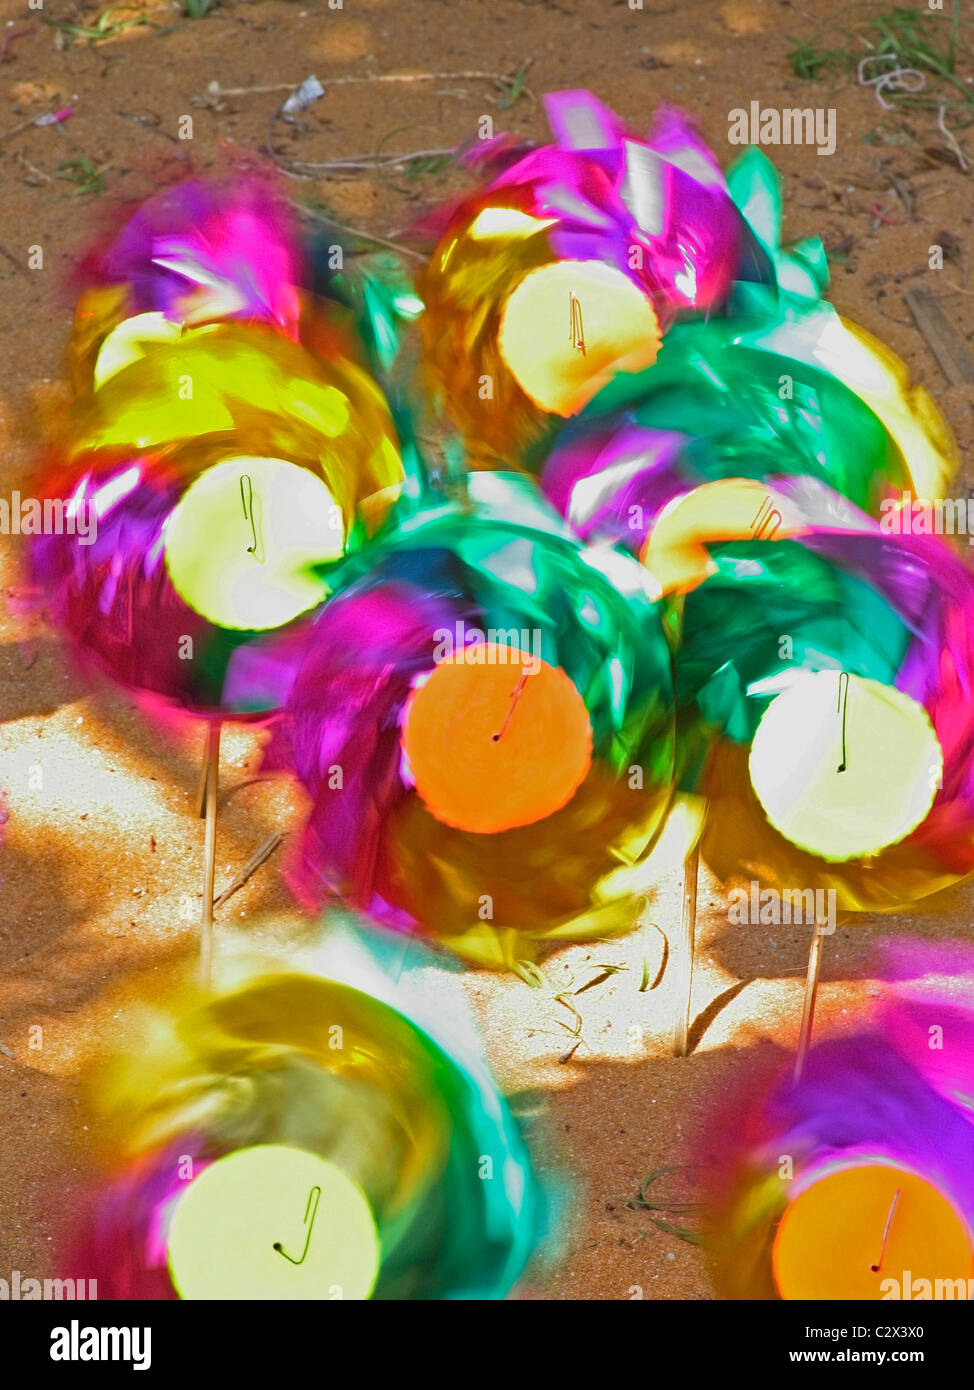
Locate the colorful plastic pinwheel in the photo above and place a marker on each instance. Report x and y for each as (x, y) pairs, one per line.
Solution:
(568, 266)
(484, 722)
(298, 1138)
(856, 1182)
(225, 440)
(834, 664)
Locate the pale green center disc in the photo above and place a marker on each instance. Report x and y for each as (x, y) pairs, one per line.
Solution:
(273, 1222)
(242, 542)
(882, 739)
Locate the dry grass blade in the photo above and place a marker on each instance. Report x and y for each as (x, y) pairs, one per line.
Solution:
(683, 1232)
(643, 1203)
(316, 216)
(262, 853)
(605, 973)
(566, 1003)
(529, 973)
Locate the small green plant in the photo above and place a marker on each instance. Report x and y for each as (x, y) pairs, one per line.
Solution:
(423, 165)
(104, 27)
(811, 63)
(513, 86)
(926, 42)
(82, 173)
(196, 9)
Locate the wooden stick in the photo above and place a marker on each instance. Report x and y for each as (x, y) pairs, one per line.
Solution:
(204, 783)
(819, 934)
(944, 338)
(685, 955)
(212, 773)
(498, 78)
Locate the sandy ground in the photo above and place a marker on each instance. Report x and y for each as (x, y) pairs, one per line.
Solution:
(100, 880)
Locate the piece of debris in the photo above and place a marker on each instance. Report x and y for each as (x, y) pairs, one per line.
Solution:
(951, 140)
(943, 337)
(895, 79)
(9, 39)
(302, 97)
(55, 117)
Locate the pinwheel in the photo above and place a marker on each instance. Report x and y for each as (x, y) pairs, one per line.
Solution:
(226, 440)
(691, 450)
(825, 673)
(855, 1183)
(566, 267)
(778, 392)
(295, 1137)
(484, 722)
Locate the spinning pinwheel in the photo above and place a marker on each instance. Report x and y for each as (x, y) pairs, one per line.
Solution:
(484, 722)
(566, 267)
(855, 1183)
(833, 662)
(294, 1137)
(227, 441)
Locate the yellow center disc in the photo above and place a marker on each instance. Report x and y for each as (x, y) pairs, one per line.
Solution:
(273, 1222)
(243, 541)
(844, 766)
(569, 327)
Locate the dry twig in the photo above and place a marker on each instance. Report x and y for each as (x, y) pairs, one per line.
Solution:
(262, 853)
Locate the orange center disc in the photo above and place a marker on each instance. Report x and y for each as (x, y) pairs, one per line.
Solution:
(855, 1230)
(496, 738)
